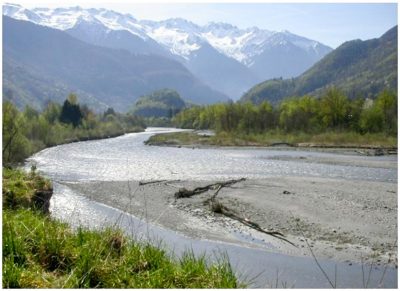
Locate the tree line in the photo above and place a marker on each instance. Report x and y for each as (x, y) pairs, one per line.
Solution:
(308, 114)
(28, 131)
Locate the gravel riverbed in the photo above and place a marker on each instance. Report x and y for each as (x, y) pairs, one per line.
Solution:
(344, 220)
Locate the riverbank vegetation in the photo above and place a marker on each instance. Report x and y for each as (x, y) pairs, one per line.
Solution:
(328, 139)
(40, 252)
(29, 131)
(333, 119)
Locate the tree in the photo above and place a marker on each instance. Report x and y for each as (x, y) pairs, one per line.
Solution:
(52, 112)
(71, 112)
(109, 110)
(354, 113)
(334, 106)
(265, 116)
(299, 114)
(382, 115)
(371, 120)
(73, 99)
(248, 117)
(30, 113)
(15, 144)
(387, 104)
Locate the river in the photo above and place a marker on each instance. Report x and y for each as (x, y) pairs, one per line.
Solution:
(127, 158)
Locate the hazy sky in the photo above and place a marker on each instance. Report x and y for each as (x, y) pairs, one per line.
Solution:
(329, 23)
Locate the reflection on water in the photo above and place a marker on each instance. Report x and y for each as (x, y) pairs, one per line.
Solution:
(127, 158)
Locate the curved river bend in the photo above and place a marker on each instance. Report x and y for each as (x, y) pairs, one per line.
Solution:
(127, 158)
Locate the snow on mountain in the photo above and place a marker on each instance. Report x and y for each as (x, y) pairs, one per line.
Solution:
(181, 37)
(240, 44)
(306, 44)
(223, 56)
(67, 18)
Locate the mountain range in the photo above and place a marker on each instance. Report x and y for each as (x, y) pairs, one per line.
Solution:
(41, 64)
(359, 68)
(222, 56)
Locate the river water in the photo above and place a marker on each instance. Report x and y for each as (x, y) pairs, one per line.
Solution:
(127, 158)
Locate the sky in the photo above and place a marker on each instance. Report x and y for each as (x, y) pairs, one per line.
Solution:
(329, 23)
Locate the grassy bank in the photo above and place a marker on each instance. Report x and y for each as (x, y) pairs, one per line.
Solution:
(40, 252)
(328, 139)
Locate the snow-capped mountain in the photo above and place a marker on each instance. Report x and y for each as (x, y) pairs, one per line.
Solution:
(251, 54)
(42, 63)
(180, 36)
(240, 44)
(66, 18)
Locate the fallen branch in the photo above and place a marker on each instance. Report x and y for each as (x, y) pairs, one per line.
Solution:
(216, 193)
(151, 182)
(219, 208)
(185, 193)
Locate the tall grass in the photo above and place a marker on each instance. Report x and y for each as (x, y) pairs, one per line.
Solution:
(19, 187)
(40, 252)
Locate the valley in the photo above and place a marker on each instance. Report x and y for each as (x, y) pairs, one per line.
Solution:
(200, 145)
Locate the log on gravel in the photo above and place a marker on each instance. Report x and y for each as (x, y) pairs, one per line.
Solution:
(221, 209)
(185, 193)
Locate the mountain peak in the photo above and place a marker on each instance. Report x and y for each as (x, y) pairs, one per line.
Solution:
(67, 9)
(220, 25)
(88, 19)
(284, 31)
(180, 23)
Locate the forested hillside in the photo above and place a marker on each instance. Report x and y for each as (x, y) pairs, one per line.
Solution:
(359, 68)
(161, 103)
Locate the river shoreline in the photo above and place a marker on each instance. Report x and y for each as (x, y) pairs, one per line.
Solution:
(198, 139)
(344, 221)
(341, 205)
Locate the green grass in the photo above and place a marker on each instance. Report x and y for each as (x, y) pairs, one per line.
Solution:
(20, 187)
(40, 252)
(327, 139)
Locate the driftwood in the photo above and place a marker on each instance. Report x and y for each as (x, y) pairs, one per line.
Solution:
(185, 193)
(151, 182)
(217, 207)
(221, 209)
